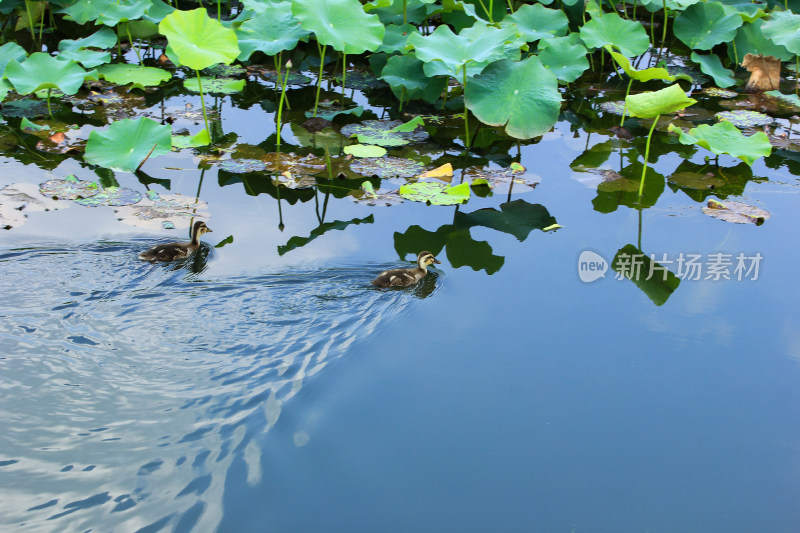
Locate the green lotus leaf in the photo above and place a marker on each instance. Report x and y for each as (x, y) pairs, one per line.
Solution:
(653, 103)
(396, 37)
(747, 9)
(5, 86)
(140, 77)
(736, 212)
(107, 12)
(750, 39)
(201, 138)
(521, 95)
(271, 31)
(378, 132)
(8, 52)
(406, 76)
(243, 166)
(783, 27)
(564, 57)
(214, 85)
(197, 40)
(711, 65)
(745, 118)
(720, 93)
(365, 150)
(84, 11)
(342, 24)
(114, 196)
(644, 75)
(534, 22)
(705, 25)
(435, 193)
(445, 53)
(76, 49)
(332, 111)
(627, 35)
(725, 138)
(43, 71)
(387, 167)
(155, 13)
(125, 143)
(790, 100)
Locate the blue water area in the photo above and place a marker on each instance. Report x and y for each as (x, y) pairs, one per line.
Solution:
(265, 385)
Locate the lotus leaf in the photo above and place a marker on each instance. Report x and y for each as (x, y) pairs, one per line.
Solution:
(407, 78)
(307, 165)
(705, 25)
(725, 138)
(653, 103)
(42, 71)
(140, 77)
(435, 193)
(197, 40)
(243, 166)
(360, 80)
(564, 58)
(330, 110)
(26, 108)
(644, 75)
(711, 65)
(378, 132)
(165, 211)
(690, 72)
(445, 53)
(380, 197)
(396, 37)
(627, 35)
(342, 24)
(783, 27)
(504, 179)
(113, 196)
(214, 85)
(8, 52)
(744, 118)
(721, 93)
(736, 212)
(126, 143)
(76, 49)
(69, 188)
(225, 71)
(750, 39)
(365, 150)
(290, 181)
(271, 31)
(521, 95)
(617, 107)
(387, 167)
(790, 100)
(534, 22)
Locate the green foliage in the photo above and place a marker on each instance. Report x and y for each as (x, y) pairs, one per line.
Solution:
(214, 85)
(711, 65)
(564, 56)
(783, 27)
(271, 31)
(77, 49)
(534, 22)
(197, 40)
(627, 35)
(653, 103)
(139, 77)
(521, 95)
(126, 143)
(435, 193)
(406, 76)
(705, 25)
(725, 138)
(341, 24)
(43, 71)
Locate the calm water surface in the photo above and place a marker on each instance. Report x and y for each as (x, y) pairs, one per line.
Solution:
(265, 392)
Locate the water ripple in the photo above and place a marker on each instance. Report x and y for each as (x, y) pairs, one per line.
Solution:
(128, 389)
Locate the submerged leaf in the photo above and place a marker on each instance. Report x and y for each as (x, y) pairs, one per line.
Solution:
(379, 132)
(69, 188)
(745, 118)
(736, 212)
(214, 85)
(387, 167)
(111, 196)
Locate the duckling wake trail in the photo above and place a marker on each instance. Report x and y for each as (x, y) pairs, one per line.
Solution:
(134, 389)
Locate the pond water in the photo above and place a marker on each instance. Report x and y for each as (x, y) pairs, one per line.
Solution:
(267, 386)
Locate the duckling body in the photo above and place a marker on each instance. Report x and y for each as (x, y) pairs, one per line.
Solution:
(175, 251)
(405, 277)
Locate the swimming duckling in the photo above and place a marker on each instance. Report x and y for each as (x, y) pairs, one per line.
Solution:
(404, 277)
(174, 251)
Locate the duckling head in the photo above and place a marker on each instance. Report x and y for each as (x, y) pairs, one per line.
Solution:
(426, 258)
(200, 228)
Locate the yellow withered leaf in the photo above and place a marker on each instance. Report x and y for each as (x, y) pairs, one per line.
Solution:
(444, 171)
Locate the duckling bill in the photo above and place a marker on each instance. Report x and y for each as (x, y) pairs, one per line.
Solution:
(405, 277)
(175, 251)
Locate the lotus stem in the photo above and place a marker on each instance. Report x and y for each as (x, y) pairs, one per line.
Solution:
(634, 8)
(488, 13)
(344, 74)
(319, 78)
(666, 20)
(219, 10)
(49, 110)
(647, 155)
(466, 111)
(30, 20)
(203, 103)
(41, 24)
(130, 40)
(280, 104)
(405, 12)
(146, 158)
(510, 7)
(625, 106)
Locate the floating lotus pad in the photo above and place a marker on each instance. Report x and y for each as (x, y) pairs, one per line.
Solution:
(139, 76)
(435, 193)
(165, 211)
(721, 93)
(736, 212)
(126, 143)
(790, 100)
(387, 167)
(369, 196)
(214, 85)
(225, 70)
(295, 78)
(28, 107)
(363, 81)
(744, 118)
(290, 181)
(697, 77)
(365, 150)
(69, 188)
(503, 179)
(307, 165)
(113, 196)
(243, 166)
(378, 132)
(617, 107)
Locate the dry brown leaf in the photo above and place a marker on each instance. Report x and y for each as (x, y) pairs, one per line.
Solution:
(765, 72)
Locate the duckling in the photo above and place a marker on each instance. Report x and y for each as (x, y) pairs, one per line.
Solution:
(174, 251)
(405, 277)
